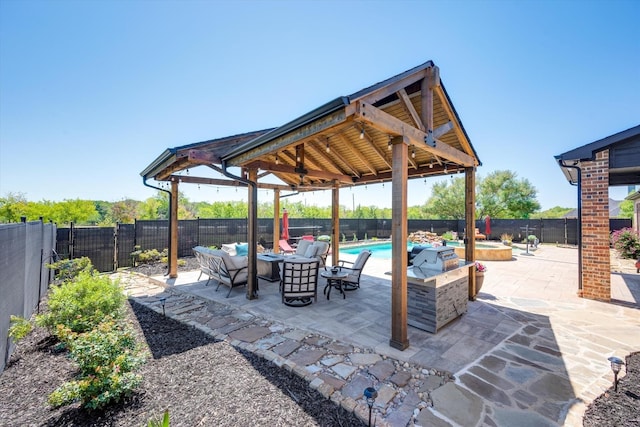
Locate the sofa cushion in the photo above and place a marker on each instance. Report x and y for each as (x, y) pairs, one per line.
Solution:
(302, 247)
(311, 251)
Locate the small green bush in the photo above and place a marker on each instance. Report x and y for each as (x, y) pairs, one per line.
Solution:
(20, 327)
(82, 303)
(627, 242)
(447, 235)
(107, 357)
(68, 269)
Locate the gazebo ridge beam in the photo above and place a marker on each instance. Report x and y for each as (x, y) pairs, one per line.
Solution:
(307, 172)
(391, 125)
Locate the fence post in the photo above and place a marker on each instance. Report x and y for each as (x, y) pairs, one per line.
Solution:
(115, 246)
(71, 239)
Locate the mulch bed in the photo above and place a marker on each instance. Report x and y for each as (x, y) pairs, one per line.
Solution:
(200, 381)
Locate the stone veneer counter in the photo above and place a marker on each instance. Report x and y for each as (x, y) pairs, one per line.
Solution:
(435, 298)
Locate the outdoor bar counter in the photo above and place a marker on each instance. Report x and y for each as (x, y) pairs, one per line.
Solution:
(435, 298)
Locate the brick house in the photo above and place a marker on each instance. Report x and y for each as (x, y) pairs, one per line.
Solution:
(593, 168)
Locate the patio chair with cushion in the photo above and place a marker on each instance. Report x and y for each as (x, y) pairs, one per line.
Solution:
(299, 281)
(352, 281)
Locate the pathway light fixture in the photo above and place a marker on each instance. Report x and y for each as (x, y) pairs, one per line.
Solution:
(370, 395)
(162, 301)
(616, 365)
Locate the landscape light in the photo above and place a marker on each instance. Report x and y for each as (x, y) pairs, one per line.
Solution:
(616, 365)
(370, 395)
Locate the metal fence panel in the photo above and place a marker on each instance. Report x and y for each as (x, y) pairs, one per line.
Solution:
(25, 250)
(126, 241)
(97, 244)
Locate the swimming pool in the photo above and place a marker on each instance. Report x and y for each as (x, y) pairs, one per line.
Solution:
(483, 252)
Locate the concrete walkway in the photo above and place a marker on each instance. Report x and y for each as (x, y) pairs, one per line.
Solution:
(528, 352)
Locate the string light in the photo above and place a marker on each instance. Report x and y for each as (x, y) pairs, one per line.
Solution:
(328, 149)
(413, 152)
(362, 132)
(431, 164)
(389, 144)
(277, 160)
(445, 168)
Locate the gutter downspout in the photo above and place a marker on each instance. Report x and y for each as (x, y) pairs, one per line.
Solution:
(579, 185)
(144, 181)
(253, 231)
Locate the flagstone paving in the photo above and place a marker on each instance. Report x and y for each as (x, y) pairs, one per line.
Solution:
(528, 352)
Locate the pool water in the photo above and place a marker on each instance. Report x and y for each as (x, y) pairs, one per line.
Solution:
(383, 250)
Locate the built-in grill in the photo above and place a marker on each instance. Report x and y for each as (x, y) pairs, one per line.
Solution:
(442, 258)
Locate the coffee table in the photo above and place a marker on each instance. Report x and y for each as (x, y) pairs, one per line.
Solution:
(270, 271)
(334, 280)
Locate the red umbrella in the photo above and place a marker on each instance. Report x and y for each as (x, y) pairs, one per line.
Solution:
(487, 225)
(285, 225)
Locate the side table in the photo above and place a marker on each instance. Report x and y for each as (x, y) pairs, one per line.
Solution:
(334, 280)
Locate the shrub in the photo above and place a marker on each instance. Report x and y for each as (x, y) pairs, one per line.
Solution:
(627, 242)
(68, 269)
(20, 328)
(107, 357)
(82, 303)
(447, 235)
(157, 423)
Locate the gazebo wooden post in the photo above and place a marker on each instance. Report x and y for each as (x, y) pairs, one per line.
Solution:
(335, 224)
(252, 280)
(173, 231)
(399, 338)
(276, 221)
(470, 227)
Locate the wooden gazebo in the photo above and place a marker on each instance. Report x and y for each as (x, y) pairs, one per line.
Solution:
(401, 128)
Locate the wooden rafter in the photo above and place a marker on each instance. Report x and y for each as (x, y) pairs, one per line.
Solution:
(409, 108)
(316, 147)
(375, 148)
(391, 125)
(383, 92)
(452, 117)
(357, 154)
(334, 153)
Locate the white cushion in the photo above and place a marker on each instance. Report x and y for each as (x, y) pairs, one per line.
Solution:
(229, 248)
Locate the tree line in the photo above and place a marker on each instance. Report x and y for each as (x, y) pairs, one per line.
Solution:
(501, 195)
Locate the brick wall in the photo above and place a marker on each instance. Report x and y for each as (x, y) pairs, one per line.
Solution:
(596, 270)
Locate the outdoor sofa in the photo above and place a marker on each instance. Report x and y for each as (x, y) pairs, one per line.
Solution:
(217, 264)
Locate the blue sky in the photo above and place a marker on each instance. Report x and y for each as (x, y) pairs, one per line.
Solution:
(92, 92)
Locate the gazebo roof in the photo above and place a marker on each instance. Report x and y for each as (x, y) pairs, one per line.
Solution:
(345, 141)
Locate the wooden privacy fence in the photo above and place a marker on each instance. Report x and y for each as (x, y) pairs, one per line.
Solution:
(110, 247)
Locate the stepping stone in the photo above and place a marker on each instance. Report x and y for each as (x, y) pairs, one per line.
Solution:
(306, 357)
(382, 369)
(364, 358)
(400, 378)
(355, 388)
(250, 334)
(286, 348)
(270, 341)
(339, 348)
(334, 382)
(219, 322)
(343, 370)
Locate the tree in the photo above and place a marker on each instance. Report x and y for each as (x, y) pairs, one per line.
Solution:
(447, 200)
(502, 195)
(12, 207)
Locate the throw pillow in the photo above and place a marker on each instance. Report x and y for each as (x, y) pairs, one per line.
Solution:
(242, 249)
